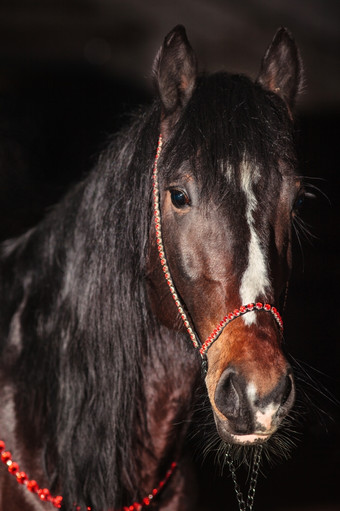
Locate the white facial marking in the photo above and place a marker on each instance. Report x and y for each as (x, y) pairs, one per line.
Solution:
(265, 417)
(251, 392)
(255, 278)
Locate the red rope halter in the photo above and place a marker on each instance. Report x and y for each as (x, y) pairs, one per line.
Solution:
(244, 309)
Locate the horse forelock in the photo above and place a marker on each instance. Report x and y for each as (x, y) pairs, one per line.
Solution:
(230, 119)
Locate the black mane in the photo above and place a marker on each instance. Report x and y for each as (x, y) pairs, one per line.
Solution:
(78, 343)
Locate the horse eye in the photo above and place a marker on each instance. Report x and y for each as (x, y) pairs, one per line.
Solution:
(179, 198)
(299, 202)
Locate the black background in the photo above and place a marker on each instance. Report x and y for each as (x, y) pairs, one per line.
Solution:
(69, 74)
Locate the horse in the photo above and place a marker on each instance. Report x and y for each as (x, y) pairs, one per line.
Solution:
(182, 232)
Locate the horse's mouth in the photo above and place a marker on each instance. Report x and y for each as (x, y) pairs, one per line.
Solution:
(248, 439)
(241, 439)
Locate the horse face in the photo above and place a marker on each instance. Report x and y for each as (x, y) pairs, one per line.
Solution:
(231, 246)
(218, 262)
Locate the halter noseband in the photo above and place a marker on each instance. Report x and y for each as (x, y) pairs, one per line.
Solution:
(244, 309)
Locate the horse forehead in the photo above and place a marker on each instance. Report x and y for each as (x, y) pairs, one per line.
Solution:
(227, 226)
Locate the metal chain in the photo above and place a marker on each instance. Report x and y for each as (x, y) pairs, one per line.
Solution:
(246, 506)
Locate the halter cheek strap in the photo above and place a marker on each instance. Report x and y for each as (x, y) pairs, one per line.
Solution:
(244, 309)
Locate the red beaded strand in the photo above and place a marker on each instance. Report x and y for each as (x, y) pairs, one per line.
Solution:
(22, 478)
(138, 506)
(244, 309)
(45, 495)
(235, 314)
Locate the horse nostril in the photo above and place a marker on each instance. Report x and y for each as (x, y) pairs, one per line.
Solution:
(287, 390)
(232, 404)
(227, 398)
(231, 400)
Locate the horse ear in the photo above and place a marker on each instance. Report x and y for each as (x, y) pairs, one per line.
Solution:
(281, 71)
(175, 70)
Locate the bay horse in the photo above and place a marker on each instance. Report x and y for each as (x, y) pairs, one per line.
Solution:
(150, 250)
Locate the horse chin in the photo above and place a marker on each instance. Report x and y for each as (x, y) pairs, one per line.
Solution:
(240, 439)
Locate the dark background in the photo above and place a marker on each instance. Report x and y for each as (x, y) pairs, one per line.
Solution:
(71, 70)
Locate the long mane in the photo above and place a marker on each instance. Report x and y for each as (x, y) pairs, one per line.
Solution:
(75, 346)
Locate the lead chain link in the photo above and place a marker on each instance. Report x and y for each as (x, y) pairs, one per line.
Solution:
(246, 506)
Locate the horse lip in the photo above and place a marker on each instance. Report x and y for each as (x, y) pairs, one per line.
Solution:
(250, 439)
(244, 439)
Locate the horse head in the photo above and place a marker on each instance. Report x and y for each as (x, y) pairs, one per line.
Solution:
(227, 195)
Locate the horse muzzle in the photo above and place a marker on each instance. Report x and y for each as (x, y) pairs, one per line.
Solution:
(242, 415)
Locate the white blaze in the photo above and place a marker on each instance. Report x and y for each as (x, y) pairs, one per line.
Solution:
(255, 278)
